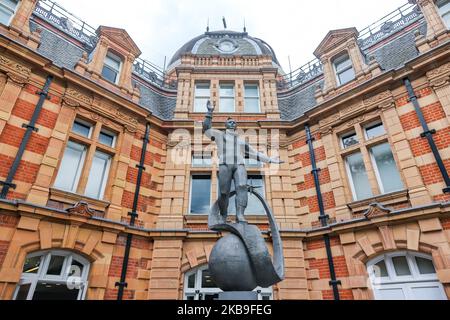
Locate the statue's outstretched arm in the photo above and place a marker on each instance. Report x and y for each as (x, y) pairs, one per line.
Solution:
(256, 155)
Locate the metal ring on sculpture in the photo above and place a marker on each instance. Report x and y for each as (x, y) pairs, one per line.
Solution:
(241, 260)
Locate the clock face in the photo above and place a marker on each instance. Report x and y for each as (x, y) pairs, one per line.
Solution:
(226, 46)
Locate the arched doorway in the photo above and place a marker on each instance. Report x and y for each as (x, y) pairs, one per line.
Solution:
(405, 276)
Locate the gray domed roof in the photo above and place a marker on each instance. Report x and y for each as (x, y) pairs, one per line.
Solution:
(225, 42)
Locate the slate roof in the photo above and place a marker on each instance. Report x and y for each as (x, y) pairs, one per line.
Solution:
(392, 51)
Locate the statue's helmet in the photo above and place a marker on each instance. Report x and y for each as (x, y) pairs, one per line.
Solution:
(231, 124)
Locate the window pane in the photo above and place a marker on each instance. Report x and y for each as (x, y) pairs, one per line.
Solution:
(444, 10)
(23, 292)
(251, 91)
(47, 291)
(200, 104)
(76, 269)
(7, 8)
(113, 61)
(106, 139)
(207, 281)
(254, 205)
(226, 105)
(71, 165)
(32, 265)
(201, 194)
(227, 91)
(55, 266)
(425, 266)
(109, 74)
(346, 76)
(342, 63)
(401, 266)
(81, 129)
(201, 160)
(375, 131)
(98, 175)
(202, 90)
(349, 140)
(380, 269)
(251, 105)
(359, 176)
(387, 169)
(211, 296)
(191, 281)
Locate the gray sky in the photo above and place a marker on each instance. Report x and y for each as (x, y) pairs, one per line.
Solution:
(292, 27)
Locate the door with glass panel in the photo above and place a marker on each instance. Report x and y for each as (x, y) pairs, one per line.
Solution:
(405, 276)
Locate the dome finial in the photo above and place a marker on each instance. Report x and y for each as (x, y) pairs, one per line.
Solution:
(245, 27)
(207, 25)
(224, 22)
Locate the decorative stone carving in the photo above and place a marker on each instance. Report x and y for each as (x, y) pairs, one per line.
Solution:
(10, 65)
(78, 96)
(81, 209)
(376, 210)
(439, 77)
(377, 98)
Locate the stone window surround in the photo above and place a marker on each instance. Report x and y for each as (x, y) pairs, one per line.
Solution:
(239, 92)
(364, 147)
(93, 145)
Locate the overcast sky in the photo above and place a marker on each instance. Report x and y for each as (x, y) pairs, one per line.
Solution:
(292, 27)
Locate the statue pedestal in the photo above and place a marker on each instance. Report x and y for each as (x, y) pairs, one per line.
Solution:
(238, 295)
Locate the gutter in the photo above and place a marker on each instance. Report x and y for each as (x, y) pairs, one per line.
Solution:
(428, 134)
(31, 127)
(323, 216)
(134, 215)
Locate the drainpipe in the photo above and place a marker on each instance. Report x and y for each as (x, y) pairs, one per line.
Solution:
(428, 134)
(134, 215)
(323, 216)
(31, 127)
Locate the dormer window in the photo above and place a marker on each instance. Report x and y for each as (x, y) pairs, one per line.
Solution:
(444, 11)
(111, 68)
(344, 69)
(7, 10)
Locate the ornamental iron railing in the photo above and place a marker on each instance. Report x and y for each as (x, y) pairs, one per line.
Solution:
(68, 23)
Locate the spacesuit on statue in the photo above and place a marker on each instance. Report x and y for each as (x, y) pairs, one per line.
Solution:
(232, 152)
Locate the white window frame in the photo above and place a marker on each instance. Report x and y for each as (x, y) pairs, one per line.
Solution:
(85, 123)
(377, 172)
(14, 11)
(350, 176)
(109, 133)
(258, 97)
(347, 135)
(79, 170)
(198, 289)
(393, 280)
(115, 57)
(41, 275)
(105, 174)
(196, 85)
(221, 98)
(372, 125)
(190, 193)
(441, 4)
(338, 60)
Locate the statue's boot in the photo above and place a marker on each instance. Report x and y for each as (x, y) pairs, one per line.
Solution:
(240, 217)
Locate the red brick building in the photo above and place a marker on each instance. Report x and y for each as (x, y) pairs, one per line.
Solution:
(106, 179)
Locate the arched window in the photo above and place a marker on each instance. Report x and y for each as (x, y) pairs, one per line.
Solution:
(405, 276)
(198, 285)
(53, 275)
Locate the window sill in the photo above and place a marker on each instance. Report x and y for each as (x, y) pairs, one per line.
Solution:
(392, 198)
(68, 199)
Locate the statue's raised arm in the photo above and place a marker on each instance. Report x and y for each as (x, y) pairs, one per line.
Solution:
(207, 123)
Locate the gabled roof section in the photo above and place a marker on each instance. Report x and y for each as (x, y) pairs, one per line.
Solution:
(335, 38)
(121, 38)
